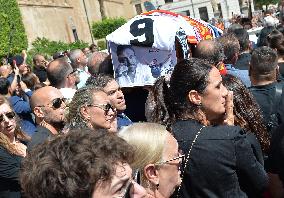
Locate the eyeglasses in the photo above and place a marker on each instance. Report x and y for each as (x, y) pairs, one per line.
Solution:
(56, 103)
(73, 72)
(9, 115)
(105, 107)
(173, 159)
(135, 178)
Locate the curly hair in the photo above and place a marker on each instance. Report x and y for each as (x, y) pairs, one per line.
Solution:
(19, 134)
(99, 80)
(191, 74)
(82, 97)
(71, 165)
(246, 110)
(156, 106)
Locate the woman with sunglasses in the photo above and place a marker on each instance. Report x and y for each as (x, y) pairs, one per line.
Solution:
(156, 157)
(91, 108)
(12, 150)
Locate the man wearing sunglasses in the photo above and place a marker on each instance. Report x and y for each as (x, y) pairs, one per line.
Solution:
(48, 106)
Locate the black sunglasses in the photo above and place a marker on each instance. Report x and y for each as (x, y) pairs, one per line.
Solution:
(105, 107)
(57, 102)
(9, 115)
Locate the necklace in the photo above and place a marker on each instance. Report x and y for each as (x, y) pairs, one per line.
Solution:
(187, 157)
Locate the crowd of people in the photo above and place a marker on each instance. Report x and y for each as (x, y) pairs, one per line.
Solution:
(213, 128)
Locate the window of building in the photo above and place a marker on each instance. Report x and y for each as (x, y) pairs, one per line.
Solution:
(220, 10)
(169, 1)
(187, 13)
(203, 13)
(138, 8)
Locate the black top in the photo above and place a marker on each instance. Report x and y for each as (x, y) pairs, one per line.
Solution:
(41, 74)
(275, 162)
(9, 174)
(41, 135)
(243, 61)
(281, 69)
(221, 163)
(265, 97)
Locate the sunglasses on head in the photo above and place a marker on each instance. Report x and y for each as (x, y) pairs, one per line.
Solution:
(9, 115)
(105, 107)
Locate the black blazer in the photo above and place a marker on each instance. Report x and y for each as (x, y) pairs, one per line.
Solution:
(9, 174)
(221, 164)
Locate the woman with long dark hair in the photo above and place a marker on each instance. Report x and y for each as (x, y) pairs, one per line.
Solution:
(219, 160)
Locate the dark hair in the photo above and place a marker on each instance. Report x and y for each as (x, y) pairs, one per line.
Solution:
(234, 27)
(71, 165)
(121, 48)
(262, 38)
(243, 38)
(246, 110)
(4, 86)
(280, 28)
(106, 67)
(57, 75)
(188, 75)
(30, 79)
(39, 85)
(99, 80)
(94, 62)
(263, 61)
(276, 41)
(156, 107)
(231, 46)
(211, 51)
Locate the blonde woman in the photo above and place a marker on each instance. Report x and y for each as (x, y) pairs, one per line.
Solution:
(11, 150)
(156, 157)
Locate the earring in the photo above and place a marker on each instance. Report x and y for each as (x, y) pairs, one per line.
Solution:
(199, 104)
(157, 186)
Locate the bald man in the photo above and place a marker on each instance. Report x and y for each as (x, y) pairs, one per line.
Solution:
(48, 105)
(210, 51)
(40, 67)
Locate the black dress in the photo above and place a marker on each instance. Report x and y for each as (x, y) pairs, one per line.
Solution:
(9, 174)
(222, 162)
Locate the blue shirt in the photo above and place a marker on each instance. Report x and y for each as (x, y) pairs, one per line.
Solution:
(122, 121)
(23, 110)
(241, 74)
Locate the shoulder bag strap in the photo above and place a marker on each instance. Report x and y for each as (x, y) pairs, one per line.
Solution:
(278, 96)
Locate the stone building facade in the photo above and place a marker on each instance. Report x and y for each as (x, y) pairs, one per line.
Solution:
(59, 19)
(198, 8)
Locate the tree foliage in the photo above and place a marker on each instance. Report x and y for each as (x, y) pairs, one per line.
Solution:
(47, 48)
(102, 28)
(260, 3)
(12, 31)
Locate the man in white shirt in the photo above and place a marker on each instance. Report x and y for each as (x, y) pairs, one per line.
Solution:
(137, 74)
